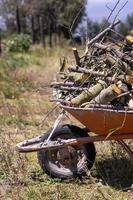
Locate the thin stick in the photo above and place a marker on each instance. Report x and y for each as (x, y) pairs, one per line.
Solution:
(47, 115)
(76, 17)
(120, 11)
(124, 94)
(122, 37)
(89, 43)
(55, 84)
(72, 88)
(112, 10)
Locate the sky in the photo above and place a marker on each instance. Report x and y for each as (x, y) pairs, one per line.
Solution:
(97, 10)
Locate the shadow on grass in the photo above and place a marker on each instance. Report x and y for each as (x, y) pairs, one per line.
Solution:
(116, 172)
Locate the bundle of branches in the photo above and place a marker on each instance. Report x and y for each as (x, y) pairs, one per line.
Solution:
(103, 75)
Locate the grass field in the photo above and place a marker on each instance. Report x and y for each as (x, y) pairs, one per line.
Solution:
(24, 103)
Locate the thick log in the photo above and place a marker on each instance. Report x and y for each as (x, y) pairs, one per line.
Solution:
(106, 96)
(89, 94)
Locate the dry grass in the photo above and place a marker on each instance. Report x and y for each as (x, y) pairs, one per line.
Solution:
(21, 117)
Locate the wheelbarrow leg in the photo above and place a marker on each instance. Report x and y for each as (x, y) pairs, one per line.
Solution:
(126, 148)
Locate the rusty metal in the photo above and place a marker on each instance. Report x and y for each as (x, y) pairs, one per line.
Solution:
(30, 146)
(108, 123)
(103, 121)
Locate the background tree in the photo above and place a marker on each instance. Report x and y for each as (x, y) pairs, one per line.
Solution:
(11, 12)
(125, 27)
(43, 18)
(0, 43)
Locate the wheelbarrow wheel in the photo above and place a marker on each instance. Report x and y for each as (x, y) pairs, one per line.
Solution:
(71, 161)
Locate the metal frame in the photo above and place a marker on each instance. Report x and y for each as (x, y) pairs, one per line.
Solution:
(37, 144)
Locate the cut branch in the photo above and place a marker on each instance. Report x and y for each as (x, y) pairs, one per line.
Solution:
(77, 58)
(85, 71)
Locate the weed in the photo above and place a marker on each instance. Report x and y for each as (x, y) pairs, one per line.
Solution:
(18, 43)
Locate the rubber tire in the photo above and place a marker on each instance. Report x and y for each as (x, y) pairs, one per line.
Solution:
(87, 149)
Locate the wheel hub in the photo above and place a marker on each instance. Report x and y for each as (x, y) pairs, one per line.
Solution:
(67, 157)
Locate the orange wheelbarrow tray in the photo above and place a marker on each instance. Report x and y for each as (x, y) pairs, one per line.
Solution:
(105, 121)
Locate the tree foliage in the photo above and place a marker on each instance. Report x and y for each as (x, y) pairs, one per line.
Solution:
(91, 28)
(18, 43)
(53, 19)
(43, 17)
(125, 27)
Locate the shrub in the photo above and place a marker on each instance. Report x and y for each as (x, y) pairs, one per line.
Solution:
(18, 43)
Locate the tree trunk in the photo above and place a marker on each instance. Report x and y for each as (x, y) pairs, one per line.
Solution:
(42, 38)
(18, 20)
(0, 43)
(33, 30)
(50, 35)
(55, 33)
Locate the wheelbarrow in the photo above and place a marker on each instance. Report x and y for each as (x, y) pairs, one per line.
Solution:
(67, 151)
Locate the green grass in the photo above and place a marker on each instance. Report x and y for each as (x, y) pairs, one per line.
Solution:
(24, 103)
